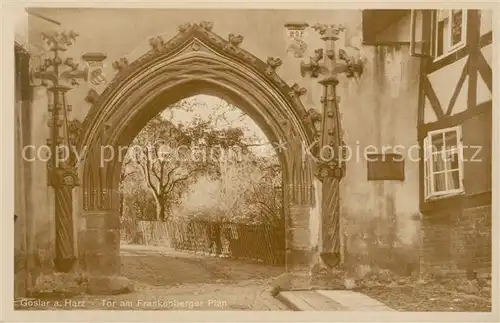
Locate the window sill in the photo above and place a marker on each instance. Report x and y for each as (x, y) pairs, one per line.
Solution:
(445, 196)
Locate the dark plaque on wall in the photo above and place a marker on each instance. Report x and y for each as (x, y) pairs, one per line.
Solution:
(385, 167)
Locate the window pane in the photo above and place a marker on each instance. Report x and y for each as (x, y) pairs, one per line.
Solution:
(451, 160)
(439, 182)
(437, 162)
(456, 27)
(450, 139)
(454, 180)
(437, 142)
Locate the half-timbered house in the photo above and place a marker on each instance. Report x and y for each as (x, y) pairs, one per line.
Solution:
(454, 127)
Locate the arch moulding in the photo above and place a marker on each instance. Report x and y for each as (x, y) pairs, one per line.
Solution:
(195, 61)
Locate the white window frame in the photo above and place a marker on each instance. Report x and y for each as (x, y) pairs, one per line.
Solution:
(457, 46)
(429, 187)
(413, 26)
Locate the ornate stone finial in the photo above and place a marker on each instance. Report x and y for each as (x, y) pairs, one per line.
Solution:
(274, 62)
(59, 41)
(235, 40)
(328, 30)
(92, 96)
(184, 27)
(313, 66)
(298, 90)
(74, 73)
(120, 64)
(157, 44)
(354, 66)
(207, 25)
(318, 55)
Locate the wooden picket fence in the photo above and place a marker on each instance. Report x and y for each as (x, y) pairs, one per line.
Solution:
(263, 243)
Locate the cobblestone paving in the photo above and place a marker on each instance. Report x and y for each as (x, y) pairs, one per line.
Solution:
(172, 280)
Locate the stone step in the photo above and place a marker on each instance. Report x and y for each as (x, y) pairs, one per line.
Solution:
(308, 301)
(330, 300)
(355, 301)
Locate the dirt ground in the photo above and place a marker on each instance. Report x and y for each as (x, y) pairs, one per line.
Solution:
(170, 280)
(432, 297)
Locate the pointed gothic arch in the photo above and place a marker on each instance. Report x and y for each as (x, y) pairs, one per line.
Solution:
(196, 61)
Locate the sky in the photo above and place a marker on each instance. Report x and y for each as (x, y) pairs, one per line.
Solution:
(211, 105)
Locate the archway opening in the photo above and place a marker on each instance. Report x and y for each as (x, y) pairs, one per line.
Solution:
(201, 177)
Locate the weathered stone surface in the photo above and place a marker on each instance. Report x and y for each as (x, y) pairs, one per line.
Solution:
(101, 220)
(99, 239)
(103, 263)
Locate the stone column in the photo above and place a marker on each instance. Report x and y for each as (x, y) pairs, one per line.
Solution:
(328, 62)
(101, 233)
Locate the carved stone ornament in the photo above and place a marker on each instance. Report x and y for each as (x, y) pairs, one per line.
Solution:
(50, 70)
(157, 44)
(74, 129)
(64, 177)
(329, 170)
(184, 27)
(314, 115)
(195, 46)
(192, 34)
(235, 40)
(92, 96)
(274, 63)
(298, 91)
(314, 66)
(354, 66)
(325, 29)
(207, 25)
(120, 64)
(95, 62)
(314, 118)
(298, 47)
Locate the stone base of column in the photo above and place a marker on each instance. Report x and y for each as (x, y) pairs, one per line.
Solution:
(109, 285)
(101, 253)
(64, 265)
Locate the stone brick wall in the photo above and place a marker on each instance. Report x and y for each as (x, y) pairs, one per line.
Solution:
(456, 240)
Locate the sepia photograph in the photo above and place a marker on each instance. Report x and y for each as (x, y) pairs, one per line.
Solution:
(253, 159)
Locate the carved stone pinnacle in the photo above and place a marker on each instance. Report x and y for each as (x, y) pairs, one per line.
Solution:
(297, 90)
(184, 27)
(274, 63)
(207, 25)
(120, 64)
(324, 29)
(157, 44)
(235, 40)
(92, 96)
